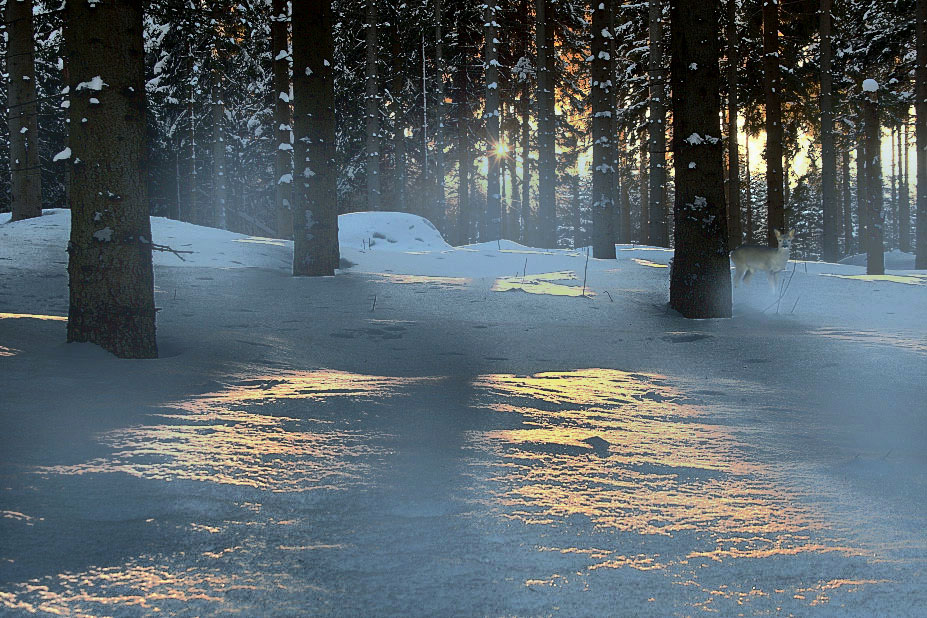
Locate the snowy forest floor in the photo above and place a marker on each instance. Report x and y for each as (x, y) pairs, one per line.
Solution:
(404, 439)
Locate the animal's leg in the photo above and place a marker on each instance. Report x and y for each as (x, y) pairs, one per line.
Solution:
(747, 276)
(738, 275)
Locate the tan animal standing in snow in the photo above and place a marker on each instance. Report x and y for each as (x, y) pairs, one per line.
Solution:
(749, 259)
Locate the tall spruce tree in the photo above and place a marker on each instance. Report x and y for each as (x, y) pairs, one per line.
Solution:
(602, 94)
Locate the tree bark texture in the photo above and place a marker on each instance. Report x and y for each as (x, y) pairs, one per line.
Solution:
(110, 270)
(547, 129)
(22, 112)
(315, 212)
(828, 145)
(656, 128)
(602, 93)
(775, 202)
(920, 133)
(872, 165)
(733, 151)
(700, 281)
(491, 119)
(283, 120)
(372, 110)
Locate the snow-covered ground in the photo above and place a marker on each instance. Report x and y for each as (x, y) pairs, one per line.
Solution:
(490, 429)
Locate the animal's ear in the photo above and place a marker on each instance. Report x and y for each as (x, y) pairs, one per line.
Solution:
(777, 233)
(792, 234)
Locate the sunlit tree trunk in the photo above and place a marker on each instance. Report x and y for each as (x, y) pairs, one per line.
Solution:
(775, 203)
(315, 211)
(372, 109)
(920, 134)
(491, 119)
(602, 93)
(283, 121)
(22, 112)
(872, 166)
(110, 270)
(700, 281)
(733, 167)
(547, 158)
(656, 128)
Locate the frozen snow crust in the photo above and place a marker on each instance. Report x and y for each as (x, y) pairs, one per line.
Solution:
(482, 430)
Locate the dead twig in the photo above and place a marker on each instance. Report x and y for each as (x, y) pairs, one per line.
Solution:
(166, 249)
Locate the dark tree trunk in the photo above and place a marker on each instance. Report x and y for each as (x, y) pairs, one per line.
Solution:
(848, 244)
(862, 212)
(219, 171)
(872, 164)
(920, 134)
(733, 168)
(372, 110)
(577, 211)
(624, 210)
(491, 118)
(749, 196)
(700, 283)
(315, 212)
(656, 129)
(399, 120)
(828, 146)
(775, 203)
(110, 270)
(603, 149)
(547, 132)
(22, 113)
(283, 120)
(904, 202)
(526, 221)
(464, 153)
(644, 180)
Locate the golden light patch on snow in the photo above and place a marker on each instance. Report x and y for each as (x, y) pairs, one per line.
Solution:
(915, 279)
(542, 283)
(644, 262)
(223, 437)
(5, 351)
(631, 454)
(407, 279)
(258, 240)
(33, 316)
(913, 342)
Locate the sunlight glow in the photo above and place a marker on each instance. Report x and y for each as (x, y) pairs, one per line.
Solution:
(33, 316)
(542, 283)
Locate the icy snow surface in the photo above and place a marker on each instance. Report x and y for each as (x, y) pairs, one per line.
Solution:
(403, 439)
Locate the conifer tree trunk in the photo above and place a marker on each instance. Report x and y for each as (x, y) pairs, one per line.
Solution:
(645, 200)
(547, 158)
(22, 112)
(848, 244)
(733, 151)
(491, 118)
(895, 232)
(109, 268)
(624, 223)
(283, 121)
(315, 212)
(656, 128)
(749, 202)
(775, 203)
(602, 93)
(862, 212)
(904, 205)
(700, 281)
(577, 211)
(920, 133)
(372, 110)
(399, 120)
(464, 154)
(219, 165)
(526, 220)
(828, 146)
(439, 212)
(872, 165)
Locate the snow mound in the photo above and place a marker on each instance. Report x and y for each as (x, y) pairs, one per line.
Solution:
(894, 260)
(390, 231)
